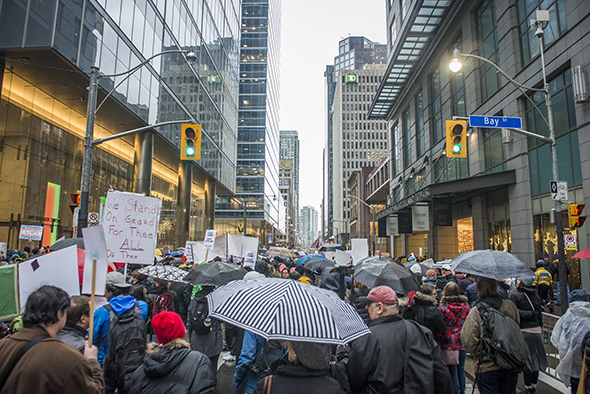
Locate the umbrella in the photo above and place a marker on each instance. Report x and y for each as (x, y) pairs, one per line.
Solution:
(66, 243)
(319, 262)
(493, 264)
(216, 273)
(287, 310)
(377, 271)
(167, 272)
(282, 252)
(309, 256)
(583, 254)
(423, 267)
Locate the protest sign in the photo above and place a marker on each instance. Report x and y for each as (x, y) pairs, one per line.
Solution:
(34, 233)
(189, 250)
(130, 224)
(250, 259)
(8, 292)
(210, 239)
(59, 268)
(342, 258)
(360, 249)
(96, 248)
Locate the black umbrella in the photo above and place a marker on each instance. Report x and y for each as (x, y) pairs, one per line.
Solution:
(493, 264)
(66, 243)
(377, 271)
(216, 273)
(318, 262)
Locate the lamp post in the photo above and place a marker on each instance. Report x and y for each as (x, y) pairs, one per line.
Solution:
(456, 65)
(89, 142)
(374, 232)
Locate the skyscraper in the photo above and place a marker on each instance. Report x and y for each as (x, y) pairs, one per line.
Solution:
(289, 149)
(309, 225)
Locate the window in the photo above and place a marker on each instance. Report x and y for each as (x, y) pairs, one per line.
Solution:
(393, 32)
(446, 169)
(487, 36)
(529, 44)
(395, 153)
(457, 86)
(419, 143)
(435, 108)
(494, 151)
(406, 137)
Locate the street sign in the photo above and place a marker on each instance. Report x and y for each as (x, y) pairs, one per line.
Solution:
(495, 121)
(558, 190)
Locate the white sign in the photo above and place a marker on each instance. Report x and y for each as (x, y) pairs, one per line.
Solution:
(360, 249)
(188, 250)
(392, 229)
(58, 269)
(93, 217)
(569, 240)
(95, 248)
(420, 218)
(210, 239)
(558, 190)
(250, 259)
(342, 258)
(3, 249)
(34, 233)
(131, 227)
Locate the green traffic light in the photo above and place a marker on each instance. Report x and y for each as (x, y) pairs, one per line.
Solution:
(457, 148)
(190, 151)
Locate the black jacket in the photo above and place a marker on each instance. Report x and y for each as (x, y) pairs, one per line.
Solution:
(184, 291)
(210, 344)
(174, 368)
(376, 363)
(298, 379)
(441, 281)
(424, 311)
(359, 306)
(529, 317)
(74, 336)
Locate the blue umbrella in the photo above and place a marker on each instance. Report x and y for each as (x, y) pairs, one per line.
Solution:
(303, 259)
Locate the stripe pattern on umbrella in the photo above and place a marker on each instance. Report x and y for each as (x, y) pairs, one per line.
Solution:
(167, 272)
(287, 310)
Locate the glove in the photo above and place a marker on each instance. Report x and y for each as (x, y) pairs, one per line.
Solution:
(237, 382)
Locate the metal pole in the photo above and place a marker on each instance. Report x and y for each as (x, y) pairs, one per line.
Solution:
(87, 160)
(374, 231)
(245, 215)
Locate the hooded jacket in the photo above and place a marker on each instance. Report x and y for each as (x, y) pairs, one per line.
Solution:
(454, 311)
(210, 344)
(531, 316)
(298, 379)
(174, 368)
(542, 277)
(102, 321)
(424, 311)
(567, 337)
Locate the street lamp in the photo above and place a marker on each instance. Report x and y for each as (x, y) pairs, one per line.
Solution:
(456, 65)
(89, 142)
(372, 209)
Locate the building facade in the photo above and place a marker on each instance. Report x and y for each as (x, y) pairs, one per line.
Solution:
(47, 50)
(289, 149)
(309, 225)
(498, 196)
(287, 188)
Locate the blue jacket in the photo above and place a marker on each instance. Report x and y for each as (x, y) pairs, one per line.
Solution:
(252, 343)
(471, 294)
(102, 320)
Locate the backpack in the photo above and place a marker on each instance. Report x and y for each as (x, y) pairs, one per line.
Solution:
(127, 344)
(501, 339)
(163, 302)
(200, 322)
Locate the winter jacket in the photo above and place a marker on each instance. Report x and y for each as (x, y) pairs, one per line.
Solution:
(543, 277)
(503, 290)
(74, 336)
(251, 344)
(454, 311)
(174, 368)
(102, 320)
(157, 291)
(424, 311)
(298, 379)
(471, 332)
(471, 295)
(441, 281)
(359, 306)
(48, 367)
(462, 282)
(210, 344)
(567, 337)
(184, 292)
(377, 361)
(142, 306)
(530, 316)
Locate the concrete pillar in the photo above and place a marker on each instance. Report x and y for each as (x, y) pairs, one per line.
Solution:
(143, 157)
(185, 180)
(210, 204)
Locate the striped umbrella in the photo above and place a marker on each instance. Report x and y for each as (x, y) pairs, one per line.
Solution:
(286, 309)
(168, 272)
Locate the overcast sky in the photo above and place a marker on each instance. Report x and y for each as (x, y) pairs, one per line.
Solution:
(311, 30)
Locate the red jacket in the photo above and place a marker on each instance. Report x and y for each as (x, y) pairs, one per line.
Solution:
(454, 311)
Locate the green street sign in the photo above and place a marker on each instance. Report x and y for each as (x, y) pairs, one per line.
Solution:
(351, 78)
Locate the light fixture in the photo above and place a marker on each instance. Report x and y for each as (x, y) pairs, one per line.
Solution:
(455, 64)
(191, 57)
(580, 84)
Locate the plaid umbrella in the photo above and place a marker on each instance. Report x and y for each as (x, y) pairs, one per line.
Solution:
(167, 272)
(287, 310)
(282, 252)
(216, 273)
(493, 264)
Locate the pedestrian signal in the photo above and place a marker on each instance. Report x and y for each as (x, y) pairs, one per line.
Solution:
(190, 142)
(456, 138)
(75, 201)
(574, 211)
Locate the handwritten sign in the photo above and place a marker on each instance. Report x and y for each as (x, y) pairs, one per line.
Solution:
(34, 233)
(130, 224)
(189, 250)
(210, 239)
(95, 248)
(250, 259)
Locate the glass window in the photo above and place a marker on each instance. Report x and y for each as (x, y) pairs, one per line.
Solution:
(40, 22)
(457, 86)
(395, 167)
(406, 138)
(67, 32)
(487, 36)
(494, 151)
(435, 108)
(420, 143)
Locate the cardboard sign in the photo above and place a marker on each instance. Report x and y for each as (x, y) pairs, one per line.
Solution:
(360, 250)
(209, 241)
(58, 269)
(34, 233)
(131, 227)
(96, 248)
(8, 292)
(250, 259)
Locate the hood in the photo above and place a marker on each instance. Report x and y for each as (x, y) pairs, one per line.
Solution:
(527, 290)
(580, 308)
(161, 360)
(424, 299)
(203, 293)
(494, 302)
(122, 304)
(454, 300)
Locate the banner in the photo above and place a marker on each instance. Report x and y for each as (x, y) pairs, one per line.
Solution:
(420, 218)
(392, 226)
(8, 292)
(95, 248)
(442, 212)
(131, 227)
(404, 222)
(34, 233)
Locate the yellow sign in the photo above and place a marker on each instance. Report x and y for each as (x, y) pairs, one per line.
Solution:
(241, 225)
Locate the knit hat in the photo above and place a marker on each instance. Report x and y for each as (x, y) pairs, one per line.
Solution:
(315, 356)
(579, 295)
(300, 268)
(168, 326)
(282, 267)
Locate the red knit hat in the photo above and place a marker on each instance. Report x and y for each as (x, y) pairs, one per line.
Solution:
(168, 326)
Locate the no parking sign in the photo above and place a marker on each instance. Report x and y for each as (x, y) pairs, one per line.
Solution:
(570, 241)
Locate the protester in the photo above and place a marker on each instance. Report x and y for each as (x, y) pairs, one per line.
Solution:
(446, 277)
(503, 288)
(184, 292)
(77, 322)
(424, 311)
(169, 365)
(567, 337)
(284, 271)
(454, 309)
(490, 378)
(399, 356)
(305, 373)
(543, 281)
(162, 298)
(530, 311)
(463, 281)
(139, 292)
(247, 372)
(430, 277)
(471, 294)
(359, 290)
(48, 366)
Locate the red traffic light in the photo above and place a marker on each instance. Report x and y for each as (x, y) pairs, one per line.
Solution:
(75, 198)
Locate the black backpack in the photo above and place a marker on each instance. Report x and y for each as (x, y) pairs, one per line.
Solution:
(501, 339)
(163, 302)
(200, 322)
(127, 345)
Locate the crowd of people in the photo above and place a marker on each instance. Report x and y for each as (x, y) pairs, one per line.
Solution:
(151, 335)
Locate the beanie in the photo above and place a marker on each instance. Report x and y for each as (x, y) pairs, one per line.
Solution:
(168, 326)
(314, 356)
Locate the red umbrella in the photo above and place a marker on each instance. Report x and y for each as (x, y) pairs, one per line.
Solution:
(583, 254)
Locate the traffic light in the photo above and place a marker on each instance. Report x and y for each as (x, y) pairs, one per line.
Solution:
(456, 138)
(75, 201)
(190, 142)
(574, 211)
